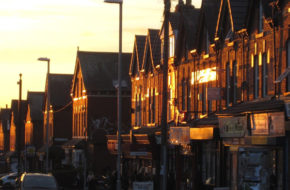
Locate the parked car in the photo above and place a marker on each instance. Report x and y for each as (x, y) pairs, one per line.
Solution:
(33, 181)
(8, 180)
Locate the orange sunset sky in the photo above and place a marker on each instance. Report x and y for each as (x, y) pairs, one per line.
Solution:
(55, 28)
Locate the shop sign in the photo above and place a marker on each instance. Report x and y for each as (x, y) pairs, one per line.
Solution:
(179, 135)
(201, 133)
(272, 124)
(144, 185)
(233, 126)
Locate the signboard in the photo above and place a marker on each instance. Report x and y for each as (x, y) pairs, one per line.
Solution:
(201, 133)
(179, 135)
(259, 124)
(233, 126)
(213, 93)
(272, 124)
(138, 153)
(144, 185)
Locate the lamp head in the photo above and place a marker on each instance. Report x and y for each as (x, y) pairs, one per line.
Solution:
(113, 1)
(43, 59)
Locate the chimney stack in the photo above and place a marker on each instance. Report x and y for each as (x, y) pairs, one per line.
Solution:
(188, 2)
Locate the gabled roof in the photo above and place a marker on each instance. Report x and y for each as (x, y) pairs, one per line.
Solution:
(35, 102)
(59, 88)
(237, 12)
(14, 110)
(187, 31)
(5, 115)
(137, 55)
(210, 11)
(99, 70)
(174, 20)
(152, 50)
(190, 21)
(155, 45)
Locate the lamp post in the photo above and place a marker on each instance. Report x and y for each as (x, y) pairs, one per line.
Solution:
(47, 108)
(19, 127)
(120, 2)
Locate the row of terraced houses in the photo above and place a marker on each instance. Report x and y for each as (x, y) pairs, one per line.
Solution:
(228, 104)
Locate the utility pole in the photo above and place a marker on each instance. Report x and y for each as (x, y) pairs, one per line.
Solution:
(163, 164)
(19, 127)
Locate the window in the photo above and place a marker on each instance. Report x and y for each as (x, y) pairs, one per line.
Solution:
(136, 110)
(153, 106)
(171, 46)
(264, 75)
(203, 99)
(188, 95)
(256, 77)
(288, 65)
(149, 105)
(139, 108)
(183, 94)
(234, 82)
(228, 84)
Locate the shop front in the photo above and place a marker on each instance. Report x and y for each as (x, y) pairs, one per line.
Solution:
(140, 160)
(255, 149)
(194, 156)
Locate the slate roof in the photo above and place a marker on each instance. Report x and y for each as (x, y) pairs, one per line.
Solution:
(5, 114)
(138, 52)
(264, 106)
(35, 103)
(14, 109)
(210, 10)
(99, 70)
(239, 13)
(155, 44)
(59, 88)
(174, 20)
(190, 17)
(140, 43)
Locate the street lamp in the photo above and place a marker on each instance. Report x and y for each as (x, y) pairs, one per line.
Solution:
(120, 2)
(47, 108)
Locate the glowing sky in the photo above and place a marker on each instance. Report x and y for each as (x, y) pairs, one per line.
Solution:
(55, 28)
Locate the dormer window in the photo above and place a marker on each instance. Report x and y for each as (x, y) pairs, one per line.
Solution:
(171, 46)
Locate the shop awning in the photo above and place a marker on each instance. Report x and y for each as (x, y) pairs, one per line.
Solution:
(74, 143)
(255, 107)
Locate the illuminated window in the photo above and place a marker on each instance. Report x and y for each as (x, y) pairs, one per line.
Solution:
(171, 46)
